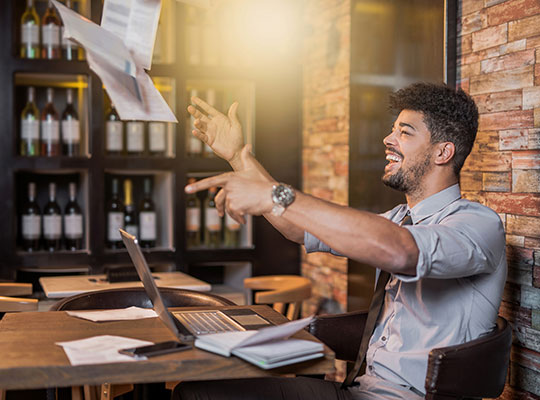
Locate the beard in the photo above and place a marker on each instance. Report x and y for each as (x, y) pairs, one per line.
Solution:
(408, 180)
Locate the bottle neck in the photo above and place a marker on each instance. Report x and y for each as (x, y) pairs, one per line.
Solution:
(50, 96)
(72, 192)
(127, 192)
(31, 94)
(52, 192)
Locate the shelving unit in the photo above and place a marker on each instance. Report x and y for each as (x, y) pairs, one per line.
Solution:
(270, 112)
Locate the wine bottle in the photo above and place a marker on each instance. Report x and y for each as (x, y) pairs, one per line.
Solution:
(70, 50)
(50, 33)
(130, 213)
(193, 218)
(30, 126)
(115, 218)
(71, 133)
(157, 138)
(114, 132)
(30, 31)
(73, 221)
(232, 232)
(212, 232)
(31, 221)
(147, 217)
(194, 145)
(52, 221)
(135, 137)
(50, 132)
(211, 98)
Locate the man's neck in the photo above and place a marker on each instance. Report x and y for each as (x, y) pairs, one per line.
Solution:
(429, 189)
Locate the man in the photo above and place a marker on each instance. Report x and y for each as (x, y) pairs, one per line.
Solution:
(447, 269)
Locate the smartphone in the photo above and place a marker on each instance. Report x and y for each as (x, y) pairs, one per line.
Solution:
(156, 349)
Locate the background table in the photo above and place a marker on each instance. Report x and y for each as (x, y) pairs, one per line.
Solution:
(64, 286)
(29, 358)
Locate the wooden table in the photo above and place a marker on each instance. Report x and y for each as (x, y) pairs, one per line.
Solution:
(29, 359)
(64, 286)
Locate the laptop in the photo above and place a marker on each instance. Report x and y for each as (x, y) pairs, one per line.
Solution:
(187, 325)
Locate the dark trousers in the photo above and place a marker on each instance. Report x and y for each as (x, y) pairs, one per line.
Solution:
(262, 388)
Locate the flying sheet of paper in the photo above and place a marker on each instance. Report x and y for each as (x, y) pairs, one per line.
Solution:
(123, 314)
(100, 349)
(153, 108)
(95, 39)
(130, 88)
(136, 23)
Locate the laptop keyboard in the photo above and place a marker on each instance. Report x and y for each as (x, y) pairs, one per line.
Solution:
(205, 322)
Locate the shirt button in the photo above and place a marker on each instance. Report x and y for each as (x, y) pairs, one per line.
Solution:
(383, 338)
(370, 367)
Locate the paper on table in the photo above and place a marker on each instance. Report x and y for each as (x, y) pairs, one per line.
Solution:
(100, 349)
(136, 23)
(115, 315)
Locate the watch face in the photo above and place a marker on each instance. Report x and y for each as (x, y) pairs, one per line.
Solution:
(283, 195)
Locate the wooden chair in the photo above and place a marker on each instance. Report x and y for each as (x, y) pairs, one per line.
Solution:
(13, 304)
(284, 292)
(121, 298)
(472, 370)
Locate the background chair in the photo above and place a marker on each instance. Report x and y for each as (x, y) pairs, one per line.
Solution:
(472, 370)
(122, 298)
(284, 292)
(9, 304)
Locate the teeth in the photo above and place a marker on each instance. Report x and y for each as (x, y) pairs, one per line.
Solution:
(392, 157)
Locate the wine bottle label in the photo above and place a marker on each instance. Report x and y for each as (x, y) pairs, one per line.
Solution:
(65, 41)
(213, 222)
(50, 35)
(147, 219)
(195, 145)
(156, 132)
(132, 230)
(71, 131)
(29, 129)
(52, 227)
(135, 137)
(193, 219)
(30, 34)
(31, 227)
(50, 131)
(115, 222)
(231, 224)
(73, 226)
(114, 136)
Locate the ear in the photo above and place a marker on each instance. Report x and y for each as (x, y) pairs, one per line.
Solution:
(444, 152)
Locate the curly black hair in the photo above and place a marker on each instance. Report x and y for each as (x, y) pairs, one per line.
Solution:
(450, 115)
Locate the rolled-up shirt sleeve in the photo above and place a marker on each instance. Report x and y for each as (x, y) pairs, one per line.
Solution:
(312, 245)
(460, 245)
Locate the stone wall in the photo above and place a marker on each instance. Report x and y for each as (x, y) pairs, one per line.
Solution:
(499, 65)
(325, 154)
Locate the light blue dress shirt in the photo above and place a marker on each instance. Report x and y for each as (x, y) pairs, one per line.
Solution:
(454, 296)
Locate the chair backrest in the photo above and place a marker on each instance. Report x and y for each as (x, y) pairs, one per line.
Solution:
(121, 298)
(284, 292)
(475, 369)
(10, 304)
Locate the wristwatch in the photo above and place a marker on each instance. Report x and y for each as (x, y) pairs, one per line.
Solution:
(283, 196)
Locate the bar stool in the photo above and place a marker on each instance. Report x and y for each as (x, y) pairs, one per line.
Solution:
(284, 292)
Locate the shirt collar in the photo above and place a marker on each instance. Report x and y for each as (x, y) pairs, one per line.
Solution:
(435, 202)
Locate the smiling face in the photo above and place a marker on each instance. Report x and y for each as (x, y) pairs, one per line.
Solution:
(409, 153)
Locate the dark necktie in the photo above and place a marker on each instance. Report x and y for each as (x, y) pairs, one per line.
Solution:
(373, 314)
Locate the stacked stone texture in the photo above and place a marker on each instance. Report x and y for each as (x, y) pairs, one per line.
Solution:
(499, 65)
(325, 154)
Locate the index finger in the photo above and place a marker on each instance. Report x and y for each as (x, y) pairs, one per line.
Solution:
(207, 183)
(205, 106)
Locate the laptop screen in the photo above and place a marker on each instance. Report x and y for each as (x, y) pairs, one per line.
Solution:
(148, 281)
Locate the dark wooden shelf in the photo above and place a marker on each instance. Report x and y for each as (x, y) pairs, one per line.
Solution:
(205, 255)
(50, 163)
(202, 165)
(53, 67)
(139, 163)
